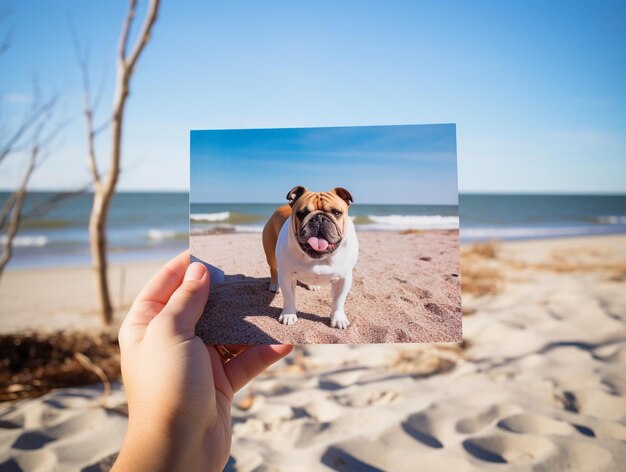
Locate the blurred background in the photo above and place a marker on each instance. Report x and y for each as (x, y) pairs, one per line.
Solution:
(96, 106)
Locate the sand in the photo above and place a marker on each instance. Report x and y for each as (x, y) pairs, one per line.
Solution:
(63, 298)
(540, 385)
(406, 288)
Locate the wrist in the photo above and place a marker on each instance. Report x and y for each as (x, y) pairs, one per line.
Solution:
(160, 445)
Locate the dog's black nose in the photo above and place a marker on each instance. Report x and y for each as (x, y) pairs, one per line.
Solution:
(319, 218)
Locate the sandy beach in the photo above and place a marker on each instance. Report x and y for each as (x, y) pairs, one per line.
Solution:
(406, 289)
(539, 383)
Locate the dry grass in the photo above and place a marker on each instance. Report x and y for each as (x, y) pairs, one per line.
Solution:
(618, 273)
(563, 264)
(479, 273)
(488, 250)
(426, 360)
(32, 364)
(481, 279)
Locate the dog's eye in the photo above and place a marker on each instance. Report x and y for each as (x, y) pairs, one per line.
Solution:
(302, 213)
(336, 212)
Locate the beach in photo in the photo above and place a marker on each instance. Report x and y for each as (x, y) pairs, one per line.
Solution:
(402, 203)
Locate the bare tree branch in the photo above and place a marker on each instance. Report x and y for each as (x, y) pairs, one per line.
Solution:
(18, 202)
(53, 201)
(144, 34)
(31, 120)
(104, 187)
(128, 24)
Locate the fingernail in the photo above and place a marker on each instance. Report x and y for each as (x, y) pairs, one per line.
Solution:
(195, 271)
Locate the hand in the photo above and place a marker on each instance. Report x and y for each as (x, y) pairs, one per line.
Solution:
(179, 390)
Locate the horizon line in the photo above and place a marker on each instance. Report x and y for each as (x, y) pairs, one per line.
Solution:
(461, 192)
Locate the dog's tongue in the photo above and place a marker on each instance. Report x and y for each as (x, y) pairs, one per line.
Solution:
(318, 244)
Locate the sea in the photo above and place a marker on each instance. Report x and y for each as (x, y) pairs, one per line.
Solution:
(144, 226)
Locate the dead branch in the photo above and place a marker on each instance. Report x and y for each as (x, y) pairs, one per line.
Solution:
(104, 186)
(18, 202)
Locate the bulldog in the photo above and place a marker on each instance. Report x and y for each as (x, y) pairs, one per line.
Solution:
(310, 242)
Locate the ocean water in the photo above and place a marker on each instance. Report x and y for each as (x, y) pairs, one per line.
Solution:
(235, 217)
(156, 225)
(509, 217)
(141, 226)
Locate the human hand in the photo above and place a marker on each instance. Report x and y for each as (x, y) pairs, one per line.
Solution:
(179, 390)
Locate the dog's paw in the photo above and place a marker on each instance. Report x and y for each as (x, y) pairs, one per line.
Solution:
(274, 288)
(339, 320)
(288, 319)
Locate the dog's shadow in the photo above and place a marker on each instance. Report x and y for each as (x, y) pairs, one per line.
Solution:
(235, 297)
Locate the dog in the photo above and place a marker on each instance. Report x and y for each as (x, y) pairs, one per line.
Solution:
(312, 241)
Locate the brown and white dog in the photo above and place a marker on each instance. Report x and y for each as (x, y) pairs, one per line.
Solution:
(312, 241)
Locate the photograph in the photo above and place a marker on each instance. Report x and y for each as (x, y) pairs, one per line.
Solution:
(327, 235)
(312, 236)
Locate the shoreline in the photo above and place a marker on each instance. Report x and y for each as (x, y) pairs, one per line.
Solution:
(162, 255)
(156, 253)
(70, 303)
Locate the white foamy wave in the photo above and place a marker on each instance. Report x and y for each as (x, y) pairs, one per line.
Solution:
(248, 229)
(220, 216)
(27, 241)
(612, 220)
(161, 234)
(524, 233)
(217, 229)
(402, 222)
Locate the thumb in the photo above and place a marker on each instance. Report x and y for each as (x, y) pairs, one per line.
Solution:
(185, 306)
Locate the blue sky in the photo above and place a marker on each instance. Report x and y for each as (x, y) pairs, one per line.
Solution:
(535, 88)
(377, 164)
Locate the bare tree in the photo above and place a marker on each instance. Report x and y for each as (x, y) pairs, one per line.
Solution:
(104, 184)
(33, 136)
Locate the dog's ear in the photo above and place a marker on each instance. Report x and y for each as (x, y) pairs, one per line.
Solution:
(295, 193)
(344, 195)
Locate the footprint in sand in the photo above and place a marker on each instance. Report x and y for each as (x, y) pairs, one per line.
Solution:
(510, 449)
(476, 423)
(421, 427)
(534, 423)
(363, 399)
(41, 459)
(435, 311)
(421, 293)
(596, 403)
(579, 456)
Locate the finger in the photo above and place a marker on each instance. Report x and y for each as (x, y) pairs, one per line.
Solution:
(153, 297)
(252, 362)
(162, 285)
(185, 306)
(219, 376)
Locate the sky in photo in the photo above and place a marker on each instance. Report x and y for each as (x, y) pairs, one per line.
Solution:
(536, 88)
(377, 164)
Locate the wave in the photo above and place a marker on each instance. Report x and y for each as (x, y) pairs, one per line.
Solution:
(220, 216)
(612, 219)
(402, 222)
(528, 232)
(227, 217)
(27, 241)
(166, 234)
(224, 229)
